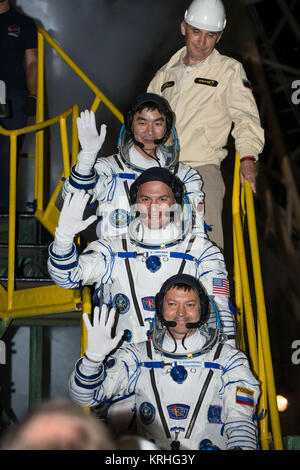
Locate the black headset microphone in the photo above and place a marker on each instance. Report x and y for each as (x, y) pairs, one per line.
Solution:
(190, 325)
(139, 144)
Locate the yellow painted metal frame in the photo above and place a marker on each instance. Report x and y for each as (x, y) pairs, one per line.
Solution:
(38, 300)
(50, 299)
(256, 328)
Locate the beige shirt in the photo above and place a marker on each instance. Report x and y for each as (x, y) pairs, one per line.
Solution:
(207, 98)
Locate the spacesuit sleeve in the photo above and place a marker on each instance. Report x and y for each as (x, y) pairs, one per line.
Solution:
(240, 391)
(77, 182)
(92, 383)
(212, 273)
(105, 188)
(94, 265)
(247, 131)
(193, 189)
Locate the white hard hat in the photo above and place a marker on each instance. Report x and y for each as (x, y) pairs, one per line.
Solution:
(206, 14)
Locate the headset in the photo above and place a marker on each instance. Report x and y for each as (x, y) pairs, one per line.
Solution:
(183, 280)
(158, 174)
(147, 100)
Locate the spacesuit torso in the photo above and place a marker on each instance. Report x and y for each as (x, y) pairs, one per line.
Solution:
(128, 276)
(179, 403)
(110, 187)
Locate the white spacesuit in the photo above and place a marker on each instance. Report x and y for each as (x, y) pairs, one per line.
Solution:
(200, 396)
(108, 179)
(129, 270)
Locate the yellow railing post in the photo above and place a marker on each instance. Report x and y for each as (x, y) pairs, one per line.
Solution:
(238, 295)
(75, 143)
(64, 146)
(259, 344)
(263, 402)
(262, 316)
(86, 308)
(39, 138)
(12, 221)
(241, 256)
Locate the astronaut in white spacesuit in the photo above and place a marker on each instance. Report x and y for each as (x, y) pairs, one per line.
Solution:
(191, 390)
(128, 270)
(147, 138)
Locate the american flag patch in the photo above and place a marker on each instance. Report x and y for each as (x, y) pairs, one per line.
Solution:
(244, 396)
(220, 286)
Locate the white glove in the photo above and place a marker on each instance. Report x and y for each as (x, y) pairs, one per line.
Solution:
(70, 221)
(89, 140)
(99, 341)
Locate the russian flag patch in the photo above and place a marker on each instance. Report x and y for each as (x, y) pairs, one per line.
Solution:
(244, 396)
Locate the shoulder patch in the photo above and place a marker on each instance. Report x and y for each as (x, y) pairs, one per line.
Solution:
(247, 84)
(244, 396)
(206, 81)
(167, 85)
(214, 414)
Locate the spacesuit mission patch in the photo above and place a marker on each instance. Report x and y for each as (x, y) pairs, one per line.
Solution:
(147, 412)
(121, 303)
(119, 218)
(178, 411)
(214, 414)
(149, 303)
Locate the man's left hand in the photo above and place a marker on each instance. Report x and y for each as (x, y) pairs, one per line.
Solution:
(248, 171)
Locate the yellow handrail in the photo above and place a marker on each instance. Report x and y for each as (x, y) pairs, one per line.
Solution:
(258, 338)
(99, 96)
(47, 213)
(10, 304)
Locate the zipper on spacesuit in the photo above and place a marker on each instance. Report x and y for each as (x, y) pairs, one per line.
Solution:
(156, 394)
(125, 183)
(175, 445)
(131, 283)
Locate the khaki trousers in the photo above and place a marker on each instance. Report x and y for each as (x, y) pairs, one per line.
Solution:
(214, 191)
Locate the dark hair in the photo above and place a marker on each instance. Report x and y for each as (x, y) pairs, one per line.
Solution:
(149, 101)
(158, 174)
(187, 282)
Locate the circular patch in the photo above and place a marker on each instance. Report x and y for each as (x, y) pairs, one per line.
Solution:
(179, 374)
(119, 218)
(121, 303)
(153, 263)
(147, 413)
(127, 335)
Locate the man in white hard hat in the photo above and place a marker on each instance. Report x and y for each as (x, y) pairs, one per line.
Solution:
(208, 92)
